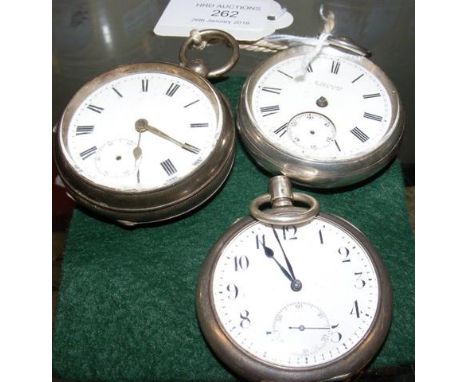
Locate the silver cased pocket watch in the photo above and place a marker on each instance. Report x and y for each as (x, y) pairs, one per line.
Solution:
(327, 123)
(148, 142)
(290, 294)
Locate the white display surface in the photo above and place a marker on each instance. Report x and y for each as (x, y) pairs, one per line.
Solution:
(102, 136)
(349, 110)
(261, 313)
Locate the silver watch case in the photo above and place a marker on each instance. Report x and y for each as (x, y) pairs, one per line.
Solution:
(318, 173)
(254, 369)
(130, 207)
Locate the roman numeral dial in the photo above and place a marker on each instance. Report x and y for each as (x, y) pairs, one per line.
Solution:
(269, 110)
(83, 130)
(270, 89)
(96, 109)
(144, 131)
(352, 101)
(168, 167)
(88, 152)
(359, 134)
(144, 85)
(172, 89)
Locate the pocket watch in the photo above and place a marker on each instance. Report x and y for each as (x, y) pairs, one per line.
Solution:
(293, 294)
(328, 122)
(148, 142)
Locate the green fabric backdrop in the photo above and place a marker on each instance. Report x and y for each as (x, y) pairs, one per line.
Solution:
(126, 304)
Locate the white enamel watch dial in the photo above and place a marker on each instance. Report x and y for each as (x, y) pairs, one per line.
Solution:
(145, 142)
(331, 122)
(302, 301)
(259, 309)
(354, 103)
(148, 142)
(102, 139)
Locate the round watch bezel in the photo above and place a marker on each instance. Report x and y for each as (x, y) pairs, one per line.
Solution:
(130, 206)
(316, 172)
(254, 369)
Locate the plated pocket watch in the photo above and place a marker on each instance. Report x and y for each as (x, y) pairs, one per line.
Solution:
(148, 142)
(328, 122)
(293, 294)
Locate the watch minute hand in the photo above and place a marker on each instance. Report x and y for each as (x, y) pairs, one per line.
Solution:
(185, 146)
(142, 125)
(284, 253)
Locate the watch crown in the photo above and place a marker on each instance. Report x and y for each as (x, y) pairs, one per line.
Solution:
(280, 190)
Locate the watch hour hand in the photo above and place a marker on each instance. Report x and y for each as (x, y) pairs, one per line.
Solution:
(270, 254)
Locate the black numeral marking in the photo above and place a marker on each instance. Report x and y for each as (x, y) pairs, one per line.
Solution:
(87, 153)
(245, 320)
(271, 90)
(355, 310)
(191, 103)
(360, 283)
(285, 74)
(95, 108)
(269, 110)
(118, 93)
(343, 251)
(357, 78)
(373, 117)
(172, 89)
(144, 85)
(336, 336)
(233, 291)
(169, 167)
(335, 68)
(196, 125)
(82, 130)
(289, 232)
(365, 96)
(321, 236)
(241, 263)
(359, 134)
(282, 130)
(309, 68)
(260, 241)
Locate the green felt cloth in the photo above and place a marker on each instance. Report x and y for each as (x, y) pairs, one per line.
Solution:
(126, 304)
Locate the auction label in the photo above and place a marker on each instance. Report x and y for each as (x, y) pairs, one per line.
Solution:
(246, 20)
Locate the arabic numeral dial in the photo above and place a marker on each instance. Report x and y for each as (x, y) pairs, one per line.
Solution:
(265, 316)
